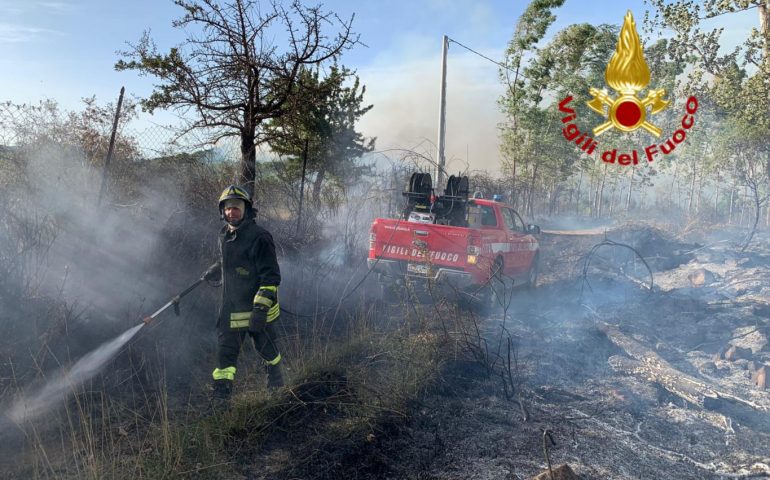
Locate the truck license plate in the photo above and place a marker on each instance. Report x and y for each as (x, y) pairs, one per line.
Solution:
(417, 268)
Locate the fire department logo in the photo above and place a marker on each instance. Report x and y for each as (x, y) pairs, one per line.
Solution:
(627, 73)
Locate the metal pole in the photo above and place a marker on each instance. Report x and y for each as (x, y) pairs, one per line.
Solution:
(302, 185)
(112, 145)
(442, 115)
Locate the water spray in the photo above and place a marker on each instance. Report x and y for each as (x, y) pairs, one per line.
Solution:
(39, 401)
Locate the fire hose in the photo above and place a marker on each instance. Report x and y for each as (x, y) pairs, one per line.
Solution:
(174, 302)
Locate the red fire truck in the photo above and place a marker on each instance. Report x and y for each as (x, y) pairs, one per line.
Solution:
(453, 239)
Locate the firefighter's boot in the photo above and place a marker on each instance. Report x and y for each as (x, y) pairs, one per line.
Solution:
(220, 396)
(274, 376)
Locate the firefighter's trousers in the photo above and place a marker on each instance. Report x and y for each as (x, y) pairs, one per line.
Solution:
(229, 347)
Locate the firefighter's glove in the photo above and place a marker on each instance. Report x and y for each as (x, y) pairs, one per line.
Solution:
(213, 273)
(265, 308)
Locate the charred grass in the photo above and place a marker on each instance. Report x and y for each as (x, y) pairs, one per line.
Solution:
(338, 408)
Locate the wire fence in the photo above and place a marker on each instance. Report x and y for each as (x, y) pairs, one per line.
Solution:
(138, 138)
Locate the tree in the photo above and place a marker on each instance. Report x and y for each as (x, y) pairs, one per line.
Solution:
(531, 140)
(239, 65)
(325, 117)
(740, 99)
(530, 29)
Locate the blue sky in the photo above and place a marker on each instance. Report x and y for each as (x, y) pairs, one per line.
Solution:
(65, 50)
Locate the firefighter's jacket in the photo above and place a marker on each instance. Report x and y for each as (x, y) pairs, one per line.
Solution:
(248, 262)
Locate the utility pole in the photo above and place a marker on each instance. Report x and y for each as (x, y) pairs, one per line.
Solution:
(105, 170)
(442, 116)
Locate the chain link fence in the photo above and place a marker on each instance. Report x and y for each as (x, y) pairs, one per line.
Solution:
(44, 141)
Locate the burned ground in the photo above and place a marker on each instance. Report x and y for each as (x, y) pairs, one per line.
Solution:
(607, 424)
(604, 423)
(593, 375)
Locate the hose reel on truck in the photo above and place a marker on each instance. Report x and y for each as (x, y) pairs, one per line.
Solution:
(425, 207)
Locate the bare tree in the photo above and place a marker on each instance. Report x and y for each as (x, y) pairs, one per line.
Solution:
(238, 65)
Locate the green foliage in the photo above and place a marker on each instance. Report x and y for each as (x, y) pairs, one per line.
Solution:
(738, 94)
(324, 115)
(574, 60)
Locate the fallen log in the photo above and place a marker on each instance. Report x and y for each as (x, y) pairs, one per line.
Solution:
(651, 367)
(675, 382)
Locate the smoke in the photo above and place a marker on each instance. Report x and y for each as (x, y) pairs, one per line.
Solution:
(36, 403)
(405, 95)
(103, 250)
(110, 263)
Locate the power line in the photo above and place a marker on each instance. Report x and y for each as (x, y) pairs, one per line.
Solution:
(518, 74)
(482, 55)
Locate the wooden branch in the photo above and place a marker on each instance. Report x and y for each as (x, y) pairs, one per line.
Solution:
(651, 367)
(675, 382)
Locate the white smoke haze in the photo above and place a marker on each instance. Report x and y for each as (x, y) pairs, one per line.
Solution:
(103, 263)
(405, 95)
(64, 382)
(101, 250)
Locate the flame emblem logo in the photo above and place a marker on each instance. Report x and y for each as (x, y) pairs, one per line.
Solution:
(627, 73)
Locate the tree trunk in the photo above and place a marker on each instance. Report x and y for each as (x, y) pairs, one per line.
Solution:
(553, 207)
(612, 195)
(619, 201)
(673, 184)
(716, 204)
(530, 202)
(577, 199)
(513, 184)
(319, 178)
(757, 208)
(767, 217)
(630, 190)
(248, 162)
(700, 190)
(732, 204)
(600, 196)
(692, 191)
(743, 210)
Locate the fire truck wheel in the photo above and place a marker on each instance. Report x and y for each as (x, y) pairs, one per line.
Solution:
(532, 275)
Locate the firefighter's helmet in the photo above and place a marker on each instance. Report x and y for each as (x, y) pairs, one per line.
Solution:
(234, 192)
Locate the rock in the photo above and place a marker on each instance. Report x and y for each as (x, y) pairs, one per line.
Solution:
(759, 378)
(701, 277)
(562, 472)
(750, 338)
(709, 368)
(734, 353)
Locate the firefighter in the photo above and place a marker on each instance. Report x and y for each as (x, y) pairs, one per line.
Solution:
(250, 276)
